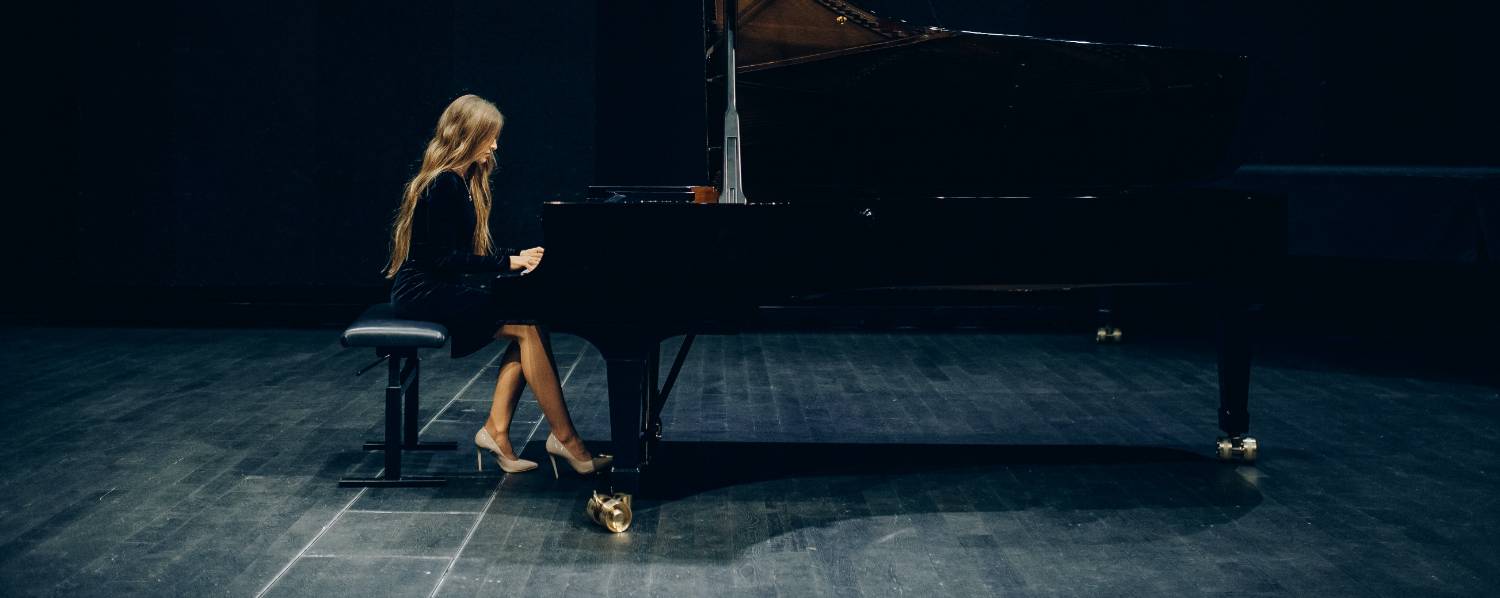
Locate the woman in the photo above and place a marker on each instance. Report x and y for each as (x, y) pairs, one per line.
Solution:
(440, 237)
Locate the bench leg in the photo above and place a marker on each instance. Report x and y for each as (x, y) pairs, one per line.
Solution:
(409, 439)
(410, 431)
(392, 444)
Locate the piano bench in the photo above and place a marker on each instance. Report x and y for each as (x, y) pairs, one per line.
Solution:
(396, 340)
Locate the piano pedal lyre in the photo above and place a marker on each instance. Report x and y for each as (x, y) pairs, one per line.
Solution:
(1238, 448)
(610, 511)
(1108, 334)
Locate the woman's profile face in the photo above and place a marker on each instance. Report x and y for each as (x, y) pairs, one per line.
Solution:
(484, 157)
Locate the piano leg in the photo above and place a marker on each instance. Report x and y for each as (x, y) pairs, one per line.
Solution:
(1234, 378)
(627, 403)
(630, 360)
(1107, 332)
(649, 426)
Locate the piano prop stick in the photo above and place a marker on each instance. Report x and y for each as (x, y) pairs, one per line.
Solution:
(733, 192)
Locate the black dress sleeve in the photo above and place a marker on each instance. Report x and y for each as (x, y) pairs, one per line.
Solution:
(443, 230)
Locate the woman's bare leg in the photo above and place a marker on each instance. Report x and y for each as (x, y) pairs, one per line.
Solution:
(541, 374)
(547, 342)
(507, 393)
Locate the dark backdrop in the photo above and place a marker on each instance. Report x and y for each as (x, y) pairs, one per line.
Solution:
(252, 153)
(267, 143)
(234, 152)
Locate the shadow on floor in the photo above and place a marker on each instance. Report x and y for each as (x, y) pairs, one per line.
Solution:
(711, 501)
(682, 469)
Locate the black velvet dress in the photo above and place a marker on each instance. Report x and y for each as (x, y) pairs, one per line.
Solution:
(442, 280)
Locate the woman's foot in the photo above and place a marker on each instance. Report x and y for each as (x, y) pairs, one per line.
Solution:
(576, 455)
(504, 455)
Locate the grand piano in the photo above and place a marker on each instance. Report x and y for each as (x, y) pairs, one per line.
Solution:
(875, 164)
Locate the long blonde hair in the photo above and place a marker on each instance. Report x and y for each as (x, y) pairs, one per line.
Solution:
(460, 140)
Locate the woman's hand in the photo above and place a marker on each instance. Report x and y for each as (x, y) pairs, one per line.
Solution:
(528, 259)
(524, 262)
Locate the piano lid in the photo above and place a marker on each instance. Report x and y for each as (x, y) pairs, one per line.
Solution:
(833, 98)
(769, 31)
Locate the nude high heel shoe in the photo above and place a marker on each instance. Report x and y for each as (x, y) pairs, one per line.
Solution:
(556, 449)
(483, 440)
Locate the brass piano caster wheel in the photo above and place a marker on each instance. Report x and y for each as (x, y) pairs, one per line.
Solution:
(612, 511)
(1239, 448)
(1108, 334)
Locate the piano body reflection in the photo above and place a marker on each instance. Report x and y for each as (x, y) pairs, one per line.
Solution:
(882, 160)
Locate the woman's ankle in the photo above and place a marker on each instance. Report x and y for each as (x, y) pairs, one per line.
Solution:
(496, 432)
(502, 440)
(574, 445)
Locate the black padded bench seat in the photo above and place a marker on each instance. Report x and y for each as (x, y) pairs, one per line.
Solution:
(396, 340)
(379, 327)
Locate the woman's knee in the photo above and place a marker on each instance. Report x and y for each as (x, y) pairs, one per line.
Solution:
(520, 332)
